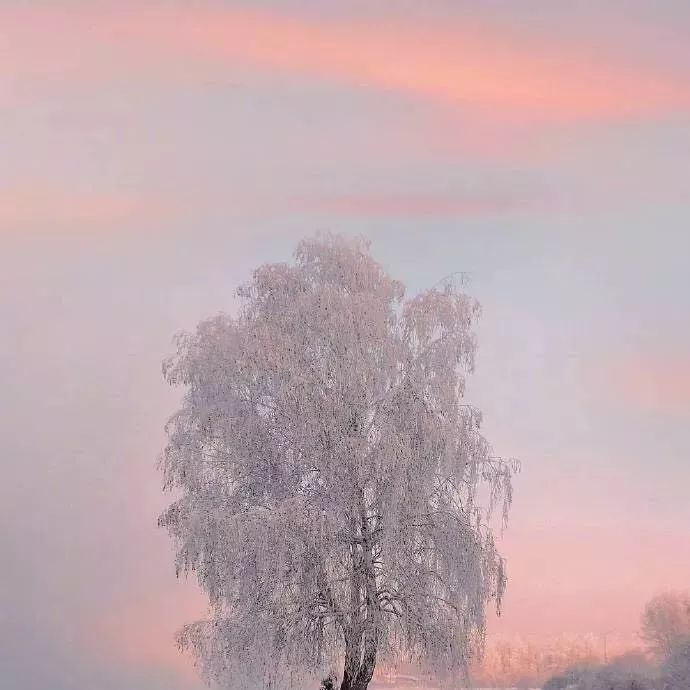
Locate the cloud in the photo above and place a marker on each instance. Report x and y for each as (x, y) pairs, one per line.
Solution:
(140, 631)
(47, 209)
(452, 62)
(406, 206)
(652, 383)
(552, 569)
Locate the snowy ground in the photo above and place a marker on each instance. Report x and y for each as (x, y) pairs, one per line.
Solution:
(411, 684)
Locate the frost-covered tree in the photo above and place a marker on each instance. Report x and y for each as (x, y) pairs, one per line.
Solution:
(666, 622)
(522, 663)
(334, 490)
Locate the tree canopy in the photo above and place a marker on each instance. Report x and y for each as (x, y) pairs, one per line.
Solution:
(328, 476)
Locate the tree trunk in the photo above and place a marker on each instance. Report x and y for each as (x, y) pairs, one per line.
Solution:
(361, 662)
(353, 641)
(373, 619)
(365, 673)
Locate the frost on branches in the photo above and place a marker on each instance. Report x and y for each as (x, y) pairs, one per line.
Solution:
(329, 477)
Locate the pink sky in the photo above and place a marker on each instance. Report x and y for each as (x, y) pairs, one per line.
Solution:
(155, 153)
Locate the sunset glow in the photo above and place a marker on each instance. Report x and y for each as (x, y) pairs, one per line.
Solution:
(156, 153)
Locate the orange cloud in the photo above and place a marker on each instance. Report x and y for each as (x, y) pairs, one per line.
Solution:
(47, 209)
(452, 63)
(659, 383)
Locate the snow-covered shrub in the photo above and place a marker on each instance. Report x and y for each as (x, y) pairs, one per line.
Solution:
(666, 622)
(676, 670)
(627, 673)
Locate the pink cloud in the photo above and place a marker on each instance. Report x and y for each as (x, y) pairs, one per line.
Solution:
(140, 632)
(451, 63)
(560, 578)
